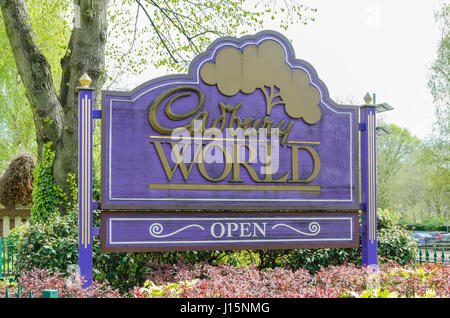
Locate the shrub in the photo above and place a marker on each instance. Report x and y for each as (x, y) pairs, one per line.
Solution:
(416, 281)
(37, 280)
(346, 277)
(204, 280)
(224, 281)
(49, 245)
(47, 196)
(230, 281)
(51, 242)
(53, 245)
(394, 243)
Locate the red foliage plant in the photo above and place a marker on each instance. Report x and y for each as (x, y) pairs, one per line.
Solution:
(226, 281)
(37, 280)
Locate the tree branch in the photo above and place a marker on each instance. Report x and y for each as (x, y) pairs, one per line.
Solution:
(34, 70)
(157, 31)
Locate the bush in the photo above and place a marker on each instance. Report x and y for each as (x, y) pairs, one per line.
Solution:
(47, 196)
(51, 241)
(53, 245)
(36, 280)
(426, 280)
(224, 281)
(394, 243)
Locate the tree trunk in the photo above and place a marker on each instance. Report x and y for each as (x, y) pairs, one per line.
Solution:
(87, 54)
(56, 119)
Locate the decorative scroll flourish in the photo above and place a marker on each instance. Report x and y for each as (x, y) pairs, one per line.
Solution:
(156, 229)
(313, 227)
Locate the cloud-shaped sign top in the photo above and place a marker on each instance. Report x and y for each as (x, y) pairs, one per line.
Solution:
(264, 67)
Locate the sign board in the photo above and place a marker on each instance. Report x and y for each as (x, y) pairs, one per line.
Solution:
(246, 151)
(135, 232)
(249, 128)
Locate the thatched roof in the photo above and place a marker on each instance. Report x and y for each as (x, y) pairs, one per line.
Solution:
(16, 184)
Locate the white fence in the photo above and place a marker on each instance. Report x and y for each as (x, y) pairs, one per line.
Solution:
(11, 218)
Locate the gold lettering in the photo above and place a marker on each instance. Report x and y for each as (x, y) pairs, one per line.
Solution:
(295, 163)
(235, 123)
(268, 167)
(227, 168)
(237, 163)
(167, 169)
(152, 115)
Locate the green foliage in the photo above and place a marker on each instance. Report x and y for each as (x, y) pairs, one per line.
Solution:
(394, 243)
(53, 245)
(96, 162)
(174, 31)
(394, 151)
(49, 244)
(412, 178)
(150, 289)
(314, 259)
(18, 232)
(49, 19)
(122, 270)
(436, 154)
(434, 222)
(47, 196)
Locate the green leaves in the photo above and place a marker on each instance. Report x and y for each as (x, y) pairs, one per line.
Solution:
(168, 34)
(49, 21)
(151, 290)
(47, 196)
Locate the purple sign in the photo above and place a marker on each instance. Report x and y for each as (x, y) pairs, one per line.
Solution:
(250, 127)
(152, 232)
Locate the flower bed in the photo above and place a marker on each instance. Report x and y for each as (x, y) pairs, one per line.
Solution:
(391, 280)
(226, 281)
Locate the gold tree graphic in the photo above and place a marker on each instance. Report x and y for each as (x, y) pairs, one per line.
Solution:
(264, 67)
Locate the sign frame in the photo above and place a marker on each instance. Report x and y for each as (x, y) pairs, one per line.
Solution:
(107, 202)
(304, 242)
(364, 174)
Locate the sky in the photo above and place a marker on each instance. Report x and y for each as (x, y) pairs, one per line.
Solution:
(384, 47)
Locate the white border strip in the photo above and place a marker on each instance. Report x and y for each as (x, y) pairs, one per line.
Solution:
(111, 219)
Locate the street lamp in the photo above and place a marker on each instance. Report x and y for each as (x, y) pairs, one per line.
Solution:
(382, 130)
(379, 108)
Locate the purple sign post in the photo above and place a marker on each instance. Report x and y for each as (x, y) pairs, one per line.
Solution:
(85, 133)
(368, 186)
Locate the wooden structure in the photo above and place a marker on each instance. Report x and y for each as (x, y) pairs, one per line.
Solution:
(11, 218)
